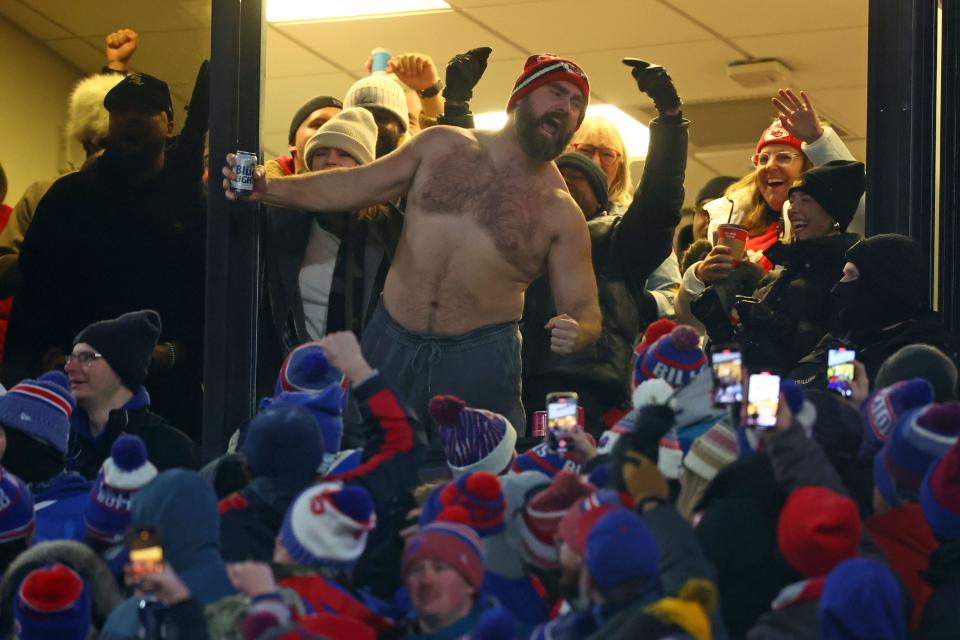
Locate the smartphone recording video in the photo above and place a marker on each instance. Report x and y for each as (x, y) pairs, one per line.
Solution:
(561, 419)
(145, 552)
(840, 370)
(763, 400)
(727, 365)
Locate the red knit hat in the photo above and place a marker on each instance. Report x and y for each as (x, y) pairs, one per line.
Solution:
(481, 496)
(455, 544)
(542, 515)
(776, 134)
(580, 518)
(818, 530)
(544, 68)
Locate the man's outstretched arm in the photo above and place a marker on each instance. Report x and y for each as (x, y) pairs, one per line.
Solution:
(573, 282)
(339, 190)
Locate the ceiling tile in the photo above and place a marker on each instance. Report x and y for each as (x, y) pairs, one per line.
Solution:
(819, 66)
(759, 17)
(559, 24)
(348, 44)
(109, 15)
(30, 21)
(506, 4)
(699, 73)
(285, 57)
(173, 56)
(79, 53)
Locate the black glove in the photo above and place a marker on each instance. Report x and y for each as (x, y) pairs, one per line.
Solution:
(464, 72)
(754, 314)
(654, 81)
(708, 309)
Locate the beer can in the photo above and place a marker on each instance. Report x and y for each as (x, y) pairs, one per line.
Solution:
(539, 426)
(244, 169)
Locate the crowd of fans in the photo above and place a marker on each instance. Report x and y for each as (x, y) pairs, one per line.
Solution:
(417, 495)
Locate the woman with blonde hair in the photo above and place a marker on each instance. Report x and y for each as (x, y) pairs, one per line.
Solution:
(599, 139)
(795, 143)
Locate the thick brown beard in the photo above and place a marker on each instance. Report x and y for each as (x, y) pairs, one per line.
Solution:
(532, 142)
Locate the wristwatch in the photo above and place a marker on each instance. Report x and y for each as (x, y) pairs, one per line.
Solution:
(432, 90)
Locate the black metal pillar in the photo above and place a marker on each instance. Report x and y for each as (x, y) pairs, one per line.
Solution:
(236, 79)
(901, 82)
(950, 166)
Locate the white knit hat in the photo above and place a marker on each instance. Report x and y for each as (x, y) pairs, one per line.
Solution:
(379, 91)
(327, 525)
(352, 131)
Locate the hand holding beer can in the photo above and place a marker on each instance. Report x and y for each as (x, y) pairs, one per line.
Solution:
(244, 171)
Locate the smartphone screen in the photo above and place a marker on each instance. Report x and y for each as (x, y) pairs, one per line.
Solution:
(727, 366)
(561, 418)
(146, 561)
(840, 370)
(763, 400)
(145, 552)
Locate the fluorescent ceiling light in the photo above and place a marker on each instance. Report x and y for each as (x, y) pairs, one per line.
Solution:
(635, 135)
(336, 10)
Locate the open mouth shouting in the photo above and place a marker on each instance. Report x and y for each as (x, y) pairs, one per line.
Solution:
(550, 125)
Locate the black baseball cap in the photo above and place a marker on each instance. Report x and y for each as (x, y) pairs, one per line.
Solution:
(142, 91)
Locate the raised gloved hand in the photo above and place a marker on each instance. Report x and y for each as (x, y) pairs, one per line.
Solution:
(464, 72)
(654, 81)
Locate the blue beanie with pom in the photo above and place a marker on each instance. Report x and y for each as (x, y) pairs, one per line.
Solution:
(107, 513)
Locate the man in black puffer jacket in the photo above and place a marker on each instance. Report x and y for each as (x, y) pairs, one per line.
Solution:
(626, 249)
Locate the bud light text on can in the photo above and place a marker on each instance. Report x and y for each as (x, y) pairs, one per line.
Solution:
(246, 164)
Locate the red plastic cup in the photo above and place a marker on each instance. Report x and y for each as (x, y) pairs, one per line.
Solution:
(735, 237)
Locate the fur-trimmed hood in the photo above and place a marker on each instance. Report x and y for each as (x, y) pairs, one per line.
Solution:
(104, 592)
(87, 118)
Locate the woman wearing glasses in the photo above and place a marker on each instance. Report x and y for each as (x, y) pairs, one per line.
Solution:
(599, 139)
(758, 201)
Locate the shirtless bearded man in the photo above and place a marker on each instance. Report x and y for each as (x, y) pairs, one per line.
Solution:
(487, 213)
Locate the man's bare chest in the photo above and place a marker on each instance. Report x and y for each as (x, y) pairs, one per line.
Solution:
(509, 209)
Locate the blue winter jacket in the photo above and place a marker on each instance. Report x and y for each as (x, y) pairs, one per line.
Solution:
(183, 506)
(59, 503)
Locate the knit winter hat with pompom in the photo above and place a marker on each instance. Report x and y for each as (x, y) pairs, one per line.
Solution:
(107, 514)
(52, 602)
(480, 497)
(473, 439)
(327, 525)
(675, 358)
(306, 369)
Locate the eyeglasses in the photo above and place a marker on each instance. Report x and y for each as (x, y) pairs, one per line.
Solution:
(606, 154)
(84, 358)
(780, 158)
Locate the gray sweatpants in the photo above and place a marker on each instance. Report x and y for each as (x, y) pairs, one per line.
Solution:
(481, 367)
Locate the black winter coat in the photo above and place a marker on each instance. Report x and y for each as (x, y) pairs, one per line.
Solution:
(941, 615)
(873, 350)
(282, 324)
(799, 299)
(626, 250)
(167, 446)
(250, 519)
